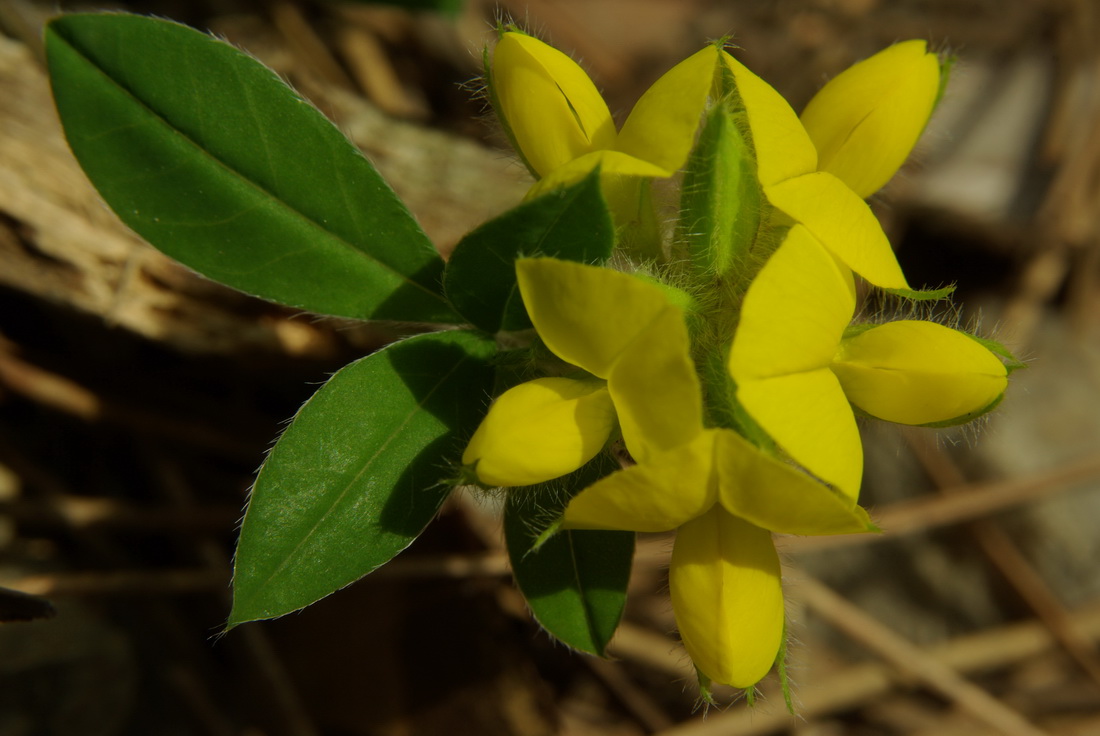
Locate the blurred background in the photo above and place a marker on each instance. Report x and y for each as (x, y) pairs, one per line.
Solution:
(137, 400)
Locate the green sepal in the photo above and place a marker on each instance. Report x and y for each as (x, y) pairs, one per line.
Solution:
(572, 223)
(968, 417)
(676, 296)
(575, 580)
(922, 295)
(209, 156)
(356, 476)
(706, 693)
(724, 86)
(784, 676)
(947, 65)
(1012, 363)
(721, 203)
(725, 410)
(854, 330)
(720, 395)
(857, 329)
(546, 535)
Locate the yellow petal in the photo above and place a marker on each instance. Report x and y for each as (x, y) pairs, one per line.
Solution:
(669, 490)
(794, 313)
(843, 223)
(867, 120)
(916, 372)
(783, 148)
(587, 315)
(809, 417)
(612, 164)
(661, 127)
(656, 390)
(778, 497)
(554, 111)
(540, 430)
(792, 320)
(726, 593)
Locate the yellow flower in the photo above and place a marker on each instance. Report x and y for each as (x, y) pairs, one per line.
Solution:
(867, 119)
(562, 128)
(565, 423)
(865, 122)
(603, 322)
(915, 372)
(797, 373)
(725, 495)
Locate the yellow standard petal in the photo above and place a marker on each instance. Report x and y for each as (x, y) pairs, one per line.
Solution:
(587, 315)
(540, 430)
(867, 120)
(794, 313)
(843, 223)
(916, 372)
(554, 111)
(661, 127)
(726, 593)
(656, 389)
(783, 148)
(669, 490)
(779, 497)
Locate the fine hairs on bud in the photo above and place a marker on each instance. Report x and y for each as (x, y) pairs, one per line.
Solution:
(880, 307)
(480, 90)
(550, 498)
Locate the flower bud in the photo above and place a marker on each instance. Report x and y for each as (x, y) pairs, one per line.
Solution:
(866, 120)
(552, 110)
(915, 372)
(724, 582)
(540, 430)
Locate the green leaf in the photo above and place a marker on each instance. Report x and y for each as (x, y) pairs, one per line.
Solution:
(575, 581)
(356, 476)
(572, 223)
(722, 203)
(206, 154)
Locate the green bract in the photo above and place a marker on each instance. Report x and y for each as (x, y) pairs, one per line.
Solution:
(612, 374)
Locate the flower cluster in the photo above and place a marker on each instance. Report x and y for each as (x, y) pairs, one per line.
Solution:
(722, 354)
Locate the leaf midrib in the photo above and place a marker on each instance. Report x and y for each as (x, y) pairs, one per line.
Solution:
(589, 608)
(417, 408)
(241, 176)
